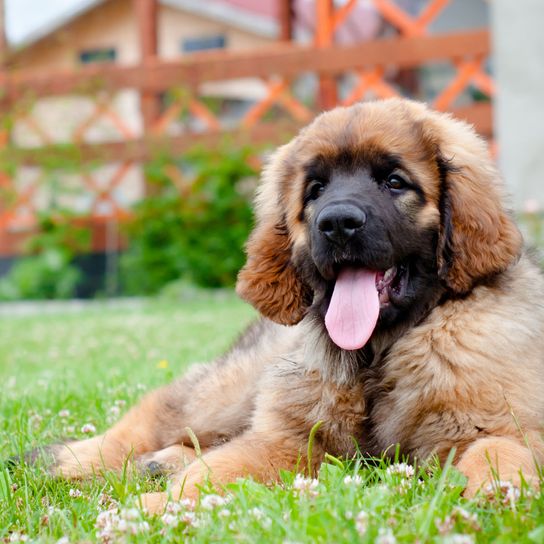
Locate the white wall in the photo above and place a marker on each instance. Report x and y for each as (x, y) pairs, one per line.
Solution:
(519, 114)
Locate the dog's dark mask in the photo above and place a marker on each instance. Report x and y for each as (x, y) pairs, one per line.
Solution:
(386, 195)
(373, 265)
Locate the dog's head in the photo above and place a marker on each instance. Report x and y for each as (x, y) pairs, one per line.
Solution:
(372, 213)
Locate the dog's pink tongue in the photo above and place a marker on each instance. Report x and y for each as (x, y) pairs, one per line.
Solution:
(354, 308)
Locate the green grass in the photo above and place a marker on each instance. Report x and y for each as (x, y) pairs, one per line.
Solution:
(64, 370)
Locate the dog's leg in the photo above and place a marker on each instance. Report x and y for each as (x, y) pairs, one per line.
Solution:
(212, 402)
(167, 461)
(500, 458)
(251, 454)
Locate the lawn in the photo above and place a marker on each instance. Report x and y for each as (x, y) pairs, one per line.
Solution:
(71, 374)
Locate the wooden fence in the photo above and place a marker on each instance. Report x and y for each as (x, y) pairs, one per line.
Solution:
(369, 65)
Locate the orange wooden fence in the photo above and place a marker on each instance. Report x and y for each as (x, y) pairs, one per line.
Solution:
(370, 65)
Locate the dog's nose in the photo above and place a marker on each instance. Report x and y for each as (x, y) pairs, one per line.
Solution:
(339, 222)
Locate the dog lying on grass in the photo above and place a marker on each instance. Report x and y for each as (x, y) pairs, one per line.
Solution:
(398, 308)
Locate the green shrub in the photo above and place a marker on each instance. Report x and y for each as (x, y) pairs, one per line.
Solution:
(47, 271)
(194, 224)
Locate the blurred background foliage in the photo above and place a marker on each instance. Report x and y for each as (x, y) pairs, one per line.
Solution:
(192, 227)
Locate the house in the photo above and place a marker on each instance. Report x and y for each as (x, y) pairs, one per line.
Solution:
(106, 31)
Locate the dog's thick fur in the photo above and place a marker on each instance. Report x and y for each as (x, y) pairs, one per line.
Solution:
(458, 363)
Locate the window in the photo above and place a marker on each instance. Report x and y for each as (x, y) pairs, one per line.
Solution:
(204, 43)
(106, 54)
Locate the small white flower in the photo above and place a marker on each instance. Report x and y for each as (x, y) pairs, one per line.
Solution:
(189, 504)
(353, 480)
(224, 513)
(457, 538)
(122, 525)
(18, 537)
(257, 513)
(444, 526)
(403, 469)
(469, 517)
(361, 522)
(507, 490)
(64, 414)
(209, 502)
(190, 519)
(74, 493)
(305, 485)
(130, 514)
(114, 411)
(88, 428)
(170, 520)
(63, 540)
(385, 536)
(173, 508)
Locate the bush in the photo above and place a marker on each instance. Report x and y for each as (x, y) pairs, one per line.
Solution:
(194, 224)
(47, 272)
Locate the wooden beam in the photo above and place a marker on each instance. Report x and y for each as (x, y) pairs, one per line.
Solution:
(286, 17)
(324, 37)
(150, 107)
(282, 60)
(148, 148)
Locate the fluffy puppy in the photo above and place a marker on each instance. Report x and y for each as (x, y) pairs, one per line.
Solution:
(398, 308)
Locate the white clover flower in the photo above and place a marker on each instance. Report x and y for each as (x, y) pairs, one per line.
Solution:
(63, 540)
(304, 485)
(113, 523)
(224, 513)
(361, 522)
(257, 513)
(507, 490)
(209, 502)
(88, 428)
(18, 537)
(114, 412)
(170, 520)
(403, 469)
(64, 414)
(385, 536)
(74, 493)
(469, 517)
(457, 538)
(444, 526)
(173, 508)
(122, 525)
(353, 480)
(130, 514)
(403, 487)
(189, 504)
(190, 519)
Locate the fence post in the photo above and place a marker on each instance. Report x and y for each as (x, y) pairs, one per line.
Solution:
(285, 12)
(324, 36)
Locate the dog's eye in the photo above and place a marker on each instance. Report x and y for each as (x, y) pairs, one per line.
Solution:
(395, 183)
(314, 190)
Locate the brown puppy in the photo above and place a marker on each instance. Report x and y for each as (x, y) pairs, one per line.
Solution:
(413, 318)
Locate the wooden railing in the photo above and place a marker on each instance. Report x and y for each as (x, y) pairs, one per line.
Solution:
(369, 65)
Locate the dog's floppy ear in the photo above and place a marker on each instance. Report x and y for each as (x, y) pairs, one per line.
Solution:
(478, 237)
(269, 280)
